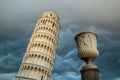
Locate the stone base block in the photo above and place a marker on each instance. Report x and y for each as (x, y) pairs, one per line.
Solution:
(90, 74)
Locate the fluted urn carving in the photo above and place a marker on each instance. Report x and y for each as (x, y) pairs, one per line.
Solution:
(87, 48)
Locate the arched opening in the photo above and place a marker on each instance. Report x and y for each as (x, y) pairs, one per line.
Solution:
(42, 46)
(41, 28)
(43, 21)
(39, 45)
(32, 55)
(51, 14)
(49, 21)
(53, 17)
(28, 67)
(35, 68)
(47, 29)
(38, 56)
(38, 35)
(44, 36)
(47, 37)
(42, 78)
(53, 24)
(45, 58)
(35, 55)
(31, 67)
(35, 44)
(41, 36)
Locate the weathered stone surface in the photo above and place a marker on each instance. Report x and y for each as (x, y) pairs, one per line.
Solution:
(90, 74)
(87, 51)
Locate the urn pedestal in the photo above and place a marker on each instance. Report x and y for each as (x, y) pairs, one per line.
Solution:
(90, 74)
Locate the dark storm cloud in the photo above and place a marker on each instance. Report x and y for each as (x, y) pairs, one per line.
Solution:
(118, 78)
(66, 61)
(18, 18)
(67, 67)
(9, 55)
(108, 45)
(7, 76)
(66, 76)
(109, 64)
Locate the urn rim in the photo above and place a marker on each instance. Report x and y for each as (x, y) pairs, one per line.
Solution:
(76, 37)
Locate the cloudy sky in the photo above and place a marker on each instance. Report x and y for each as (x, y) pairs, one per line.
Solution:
(17, 21)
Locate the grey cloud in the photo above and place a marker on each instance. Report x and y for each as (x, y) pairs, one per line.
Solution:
(98, 12)
(117, 78)
(109, 63)
(66, 40)
(107, 45)
(66, 76)
(11, 53)
(18, 18)
(86, 11)
(65, 63)
(7, 76)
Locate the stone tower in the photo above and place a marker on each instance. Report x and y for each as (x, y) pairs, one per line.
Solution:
(39, 57)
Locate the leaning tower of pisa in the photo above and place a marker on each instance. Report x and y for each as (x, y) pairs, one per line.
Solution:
(39, 57)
